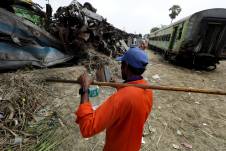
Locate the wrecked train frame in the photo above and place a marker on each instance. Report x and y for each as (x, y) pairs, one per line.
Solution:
(22, 43)
(29, 36)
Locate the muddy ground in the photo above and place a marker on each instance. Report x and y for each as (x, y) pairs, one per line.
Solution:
(178, 121)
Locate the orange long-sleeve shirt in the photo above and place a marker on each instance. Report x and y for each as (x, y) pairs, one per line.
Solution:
(122, 115)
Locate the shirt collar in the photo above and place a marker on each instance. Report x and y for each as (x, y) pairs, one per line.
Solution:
(134, 78)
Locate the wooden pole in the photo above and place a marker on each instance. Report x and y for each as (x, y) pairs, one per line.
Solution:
(166, 88)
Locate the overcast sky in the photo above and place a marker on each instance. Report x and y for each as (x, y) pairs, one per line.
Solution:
(139, 16)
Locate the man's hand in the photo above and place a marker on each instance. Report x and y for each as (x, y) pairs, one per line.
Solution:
(84, 80)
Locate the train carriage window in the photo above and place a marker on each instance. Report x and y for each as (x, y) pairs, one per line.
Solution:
(167, 37)
(180, 32)
(161, 38)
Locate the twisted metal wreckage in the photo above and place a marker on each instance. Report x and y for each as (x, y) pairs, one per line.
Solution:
(24, 39)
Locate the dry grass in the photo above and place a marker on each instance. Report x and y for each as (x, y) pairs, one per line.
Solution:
(24, 116)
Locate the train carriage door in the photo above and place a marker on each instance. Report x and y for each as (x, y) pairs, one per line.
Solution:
(221, 43)
(173, 38)
(223, 52)
(212, 32)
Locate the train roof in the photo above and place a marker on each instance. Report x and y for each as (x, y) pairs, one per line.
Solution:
(214, 12)
(168, 26)
(211, 11)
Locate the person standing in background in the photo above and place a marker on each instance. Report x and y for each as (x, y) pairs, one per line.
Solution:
(143, 44)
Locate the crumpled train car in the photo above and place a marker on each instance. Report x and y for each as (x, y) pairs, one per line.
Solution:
(24, 43)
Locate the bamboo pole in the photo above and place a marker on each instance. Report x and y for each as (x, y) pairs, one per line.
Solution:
(166, 88)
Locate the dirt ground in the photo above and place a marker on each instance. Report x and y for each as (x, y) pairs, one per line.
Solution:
(186, 119)
(178, 121)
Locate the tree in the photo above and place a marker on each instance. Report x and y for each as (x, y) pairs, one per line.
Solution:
(174, 11)
(154, 29)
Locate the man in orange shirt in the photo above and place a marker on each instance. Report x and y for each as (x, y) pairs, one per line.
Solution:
(124, 113)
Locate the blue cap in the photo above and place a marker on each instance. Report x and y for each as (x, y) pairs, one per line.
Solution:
(135, 57)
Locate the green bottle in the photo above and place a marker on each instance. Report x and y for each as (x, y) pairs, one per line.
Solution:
(93, 91)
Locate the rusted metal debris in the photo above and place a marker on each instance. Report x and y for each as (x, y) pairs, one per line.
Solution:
(78, 26)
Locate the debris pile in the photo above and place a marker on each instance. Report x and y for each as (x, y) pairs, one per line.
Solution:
(78, 27)
(72, 30)
(96, 60)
